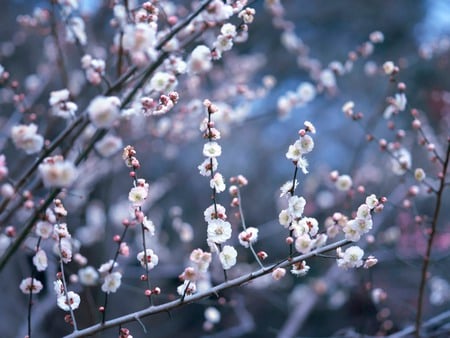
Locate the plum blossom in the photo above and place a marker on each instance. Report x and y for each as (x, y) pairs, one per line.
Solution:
(88, 276)
(187, 288)
(247, 15)
(139, 38)
(219, 231)
(205, 167)
(75, 30)
(106, 267)
(300, 269)
(401, 162)
(65, 250)
(162, 82)
(30, 284)
(109, 145)
(69, 301)
(419, 174)
(389, 67)
(217, 11)
(40, 260)
(138, 195)
(304, 244)
(210, 212)
(228, 257)
(57, 172)
(343, 183)
(296, 206)
(25, 137)
(104, 111)
(201, 259)
(248, 236)
(112, 282)
(200, 60)
(278, 273)
(285, 218)
(94, 68)
(396, 105)
(61, 105)
(150, 260)
(217, 183)
(371, 201)
(287, 187)
(148, 225)
(212, 149)
(212, 315)
(44, 229)
(350, 258)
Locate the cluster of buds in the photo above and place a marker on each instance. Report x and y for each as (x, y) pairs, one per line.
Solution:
(166, 103)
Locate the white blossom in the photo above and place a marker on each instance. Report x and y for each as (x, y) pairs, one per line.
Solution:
(205, 167)
(200, 60)
(163, 82)
(401, 162)
(285, 218)
(219, 231)
(88, 276)
(300, 269)
(228, 257)
(72, 303)
(217, 183)
(212, 149)
(150, 257)
(40, 260)
(112, 282)
(248, 236)
(296, 206)
(109, 145)
(212, 315)
(104, 111)
(25, 137)
(28, 284)
(187, 288)
(56, 172)
(210, 212)
(351, 257)
(138, 195)
(344, 183)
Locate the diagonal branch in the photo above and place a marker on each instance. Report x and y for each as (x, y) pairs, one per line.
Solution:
(196, 297)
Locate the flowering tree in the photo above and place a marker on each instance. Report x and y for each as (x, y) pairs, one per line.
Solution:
(107, 226)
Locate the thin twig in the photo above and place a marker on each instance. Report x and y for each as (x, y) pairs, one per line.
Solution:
(426, 259)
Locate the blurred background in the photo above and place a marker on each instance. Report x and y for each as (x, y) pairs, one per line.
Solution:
(256, 135)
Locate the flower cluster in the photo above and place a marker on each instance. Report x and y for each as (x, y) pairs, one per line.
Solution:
(224, 41)
(166, 103)
(303, 231)
(362, 223)
(301, 147)
(196, 275)
(219, 229)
